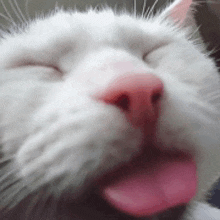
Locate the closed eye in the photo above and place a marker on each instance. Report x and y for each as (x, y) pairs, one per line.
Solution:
(31, 71)
(42, 65)
(25, 63)
(146, 56)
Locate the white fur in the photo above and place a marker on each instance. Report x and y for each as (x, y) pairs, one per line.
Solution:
(53, 129)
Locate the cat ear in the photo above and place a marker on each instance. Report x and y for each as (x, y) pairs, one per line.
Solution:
(178, 10)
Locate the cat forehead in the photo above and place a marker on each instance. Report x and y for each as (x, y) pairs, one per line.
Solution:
(100, 25)
(49, 38)
(91, 21)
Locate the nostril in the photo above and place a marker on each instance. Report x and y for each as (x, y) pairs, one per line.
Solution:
(155, 98)
(138, 95)
(123, 102)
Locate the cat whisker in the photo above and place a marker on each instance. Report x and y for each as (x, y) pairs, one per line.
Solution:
(191, 36)
(41, 201)
(198, 42)
(11, 186)
(135, 8)
(37, 199)
(19, 11)
(15, 11)
(98, 7)
(212, 51)
(150, 13)
(12, 198)
(115, 8)
(8, 13)
(217, 60)
(8, 184)
(12, 190)
(144, 8)
(5, 161)
(5, 17)
(146, 13)
(6, 176)
(57, 7)
(27, 9)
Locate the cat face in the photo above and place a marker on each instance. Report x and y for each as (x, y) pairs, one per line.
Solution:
(96, 103)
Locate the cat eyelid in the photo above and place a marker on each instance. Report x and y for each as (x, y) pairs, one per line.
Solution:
(145, 54)
(33, 64)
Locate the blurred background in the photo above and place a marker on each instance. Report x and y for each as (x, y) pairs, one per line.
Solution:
(207, 17)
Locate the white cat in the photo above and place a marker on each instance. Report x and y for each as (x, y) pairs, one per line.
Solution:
(106, 115)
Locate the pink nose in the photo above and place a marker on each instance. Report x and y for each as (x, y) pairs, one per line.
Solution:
(138, 95)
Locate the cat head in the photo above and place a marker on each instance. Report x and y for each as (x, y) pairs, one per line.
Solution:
(99, 102)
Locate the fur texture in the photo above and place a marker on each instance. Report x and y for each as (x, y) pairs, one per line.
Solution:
(56, 138)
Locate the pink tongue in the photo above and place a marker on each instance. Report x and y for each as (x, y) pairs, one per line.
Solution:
(142, 191)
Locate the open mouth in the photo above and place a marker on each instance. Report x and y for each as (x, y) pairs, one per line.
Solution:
(152, 183)
(94, 207)
(154, 186)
